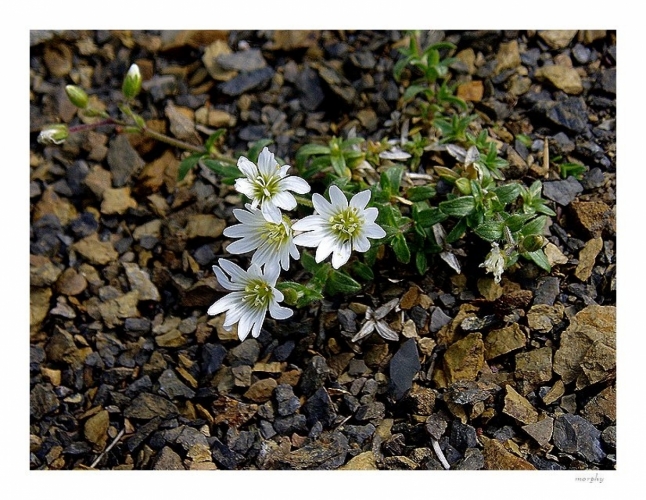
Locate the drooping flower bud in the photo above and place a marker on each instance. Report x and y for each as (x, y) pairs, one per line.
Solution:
(132, 82)
(531, 243)
(77, 96)
(463, 185)
(54, 134)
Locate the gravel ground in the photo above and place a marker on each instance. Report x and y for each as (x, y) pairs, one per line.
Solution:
(128, 372)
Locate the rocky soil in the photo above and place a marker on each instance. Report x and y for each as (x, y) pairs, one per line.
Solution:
(128, 371)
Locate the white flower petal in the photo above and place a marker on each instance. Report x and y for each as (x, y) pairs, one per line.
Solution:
(271, 274)
(279, 312)
(360, 243)
(224, 281)
(374, 231)
(338, 199)
(227, 302)
(238, 275)
(259, 319)
(341, 255)
(284, 200)
(309, 239)
(270, 212)
(325, 248)
(242, 246)
(370, 214)
(360, 200)
(296, 184)
(237, 231)
(247, 167)
(245, 187)
(266, 162)
(310, 223)
(322, 206)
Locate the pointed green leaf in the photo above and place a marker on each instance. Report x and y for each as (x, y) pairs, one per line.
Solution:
(400, 247)
(539, 258)
(490, 231)
(187, 164)
(459, 207)
(340, 282)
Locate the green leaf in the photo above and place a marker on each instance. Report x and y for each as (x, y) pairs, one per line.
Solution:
(539, 258)
(421, 263)
(187, 164)
(507, 193)
(309, 263)
(400, 247)
(338, 163)
(459, 207)
(391, 179)
(420, 193)
(490, 231)
(516, 221)
(412, 91)
(229, 173)
(210, 142)
(458, 231)
(340, 282)
(535, 226)
(256, 148)
(363, 271)
(429, 217)
(312, 149)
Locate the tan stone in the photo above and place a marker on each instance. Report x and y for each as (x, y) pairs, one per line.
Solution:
(96, 429)
(42, 271)
(117, 201)
(543, 317)
(211, 53)
(517, 407)
(561, 77)
(98, 180)
(261, 391)
(557, 39)
(38, 305)
(471, 91)
(503, 341)
(554, 255)
(555, 393)
(95, 251)
(535, 366)
(587, 258)
(363, 461)
(508, 56)
(214, 118)
(593, 216)
(541, 431)
(601, 407)
(464, 359)
(51, 203)
(204, 226)
(71, 282)
(496, 457)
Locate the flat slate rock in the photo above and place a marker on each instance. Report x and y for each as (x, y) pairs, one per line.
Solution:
(574, 434)
(403, 367)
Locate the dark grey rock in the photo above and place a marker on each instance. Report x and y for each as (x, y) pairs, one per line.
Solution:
(309, 84)
(267, 430)
(147, 406)
(283, 351)
(244, 354)
(245, 60)
(574, 434)
(452, 455)
(291, 423)
(204, 255)
(77, 448)
(137, 325)
(478, 323)
(124, 161)
(587, 293)
(436, 425)
(42, 400)
(359, 434)
(253, 132)
(447, 299)
(319, 408)
(326, 453)
(223, 456)
(562, 143)
(143, 384)
(609, 437)
(160, 86)
(530, 57)
(420, 316)
(84, 225)
(403, 367)
(570, 113)
(247, 81)
(142, 433)
(212, 357)
(504, 433)
(547, 291)
(438, 319)
(375, 410)
(562, 192)
(608, 80)
(173, 387)
(473, 460)
(349, 403)
(240, 441)
(581, 53)
(462, 436)
(36, 357)
(593, 179)
(544, 464)
(287, 402)
(315, 373)
(363, 60)
(316, 430)
(347, 320)
(358, 367)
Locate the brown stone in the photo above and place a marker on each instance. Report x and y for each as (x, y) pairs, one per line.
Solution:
(561, 77)
(554, 254)
(555, 393)
(471, 91)
(211, 53)
(261, 391)
(96, 429)
(587, 258)
(51, 203)
(38, 305)
(98, 180)
(496, 457)
(117, 201)
(508, 56)
(410, 298)
(587, 349)
(173, 338)
(534, 366)
(593, 216)
(541, 431)
(71, 282)
(464, 359)
(94, 251)
(543, 317)
(233, 412)
(204, 226)
(214, 118)
(517, 407)
(557, 39)
(42, 271)
(58, 59)
(602, 407)
(363, 461)
(504, 340)
(159, 172)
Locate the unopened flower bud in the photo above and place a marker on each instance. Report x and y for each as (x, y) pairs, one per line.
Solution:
(132, 82)
(463, 185)
(54, 134)
(77, 96)
(531, 243)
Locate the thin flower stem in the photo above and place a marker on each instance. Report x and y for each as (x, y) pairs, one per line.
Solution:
(173, 142)
(90, 126)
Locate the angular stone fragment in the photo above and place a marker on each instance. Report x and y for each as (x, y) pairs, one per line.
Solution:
(541, 431)
(464, 359)
(96, 429)
(542, 317)
(587, 258)
(561, 77)
(94, 251)
(496, 457)
(517, 407)
(504, 340)
(534, 366)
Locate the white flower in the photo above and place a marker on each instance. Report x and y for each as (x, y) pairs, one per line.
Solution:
(273, 242)
(495, 262)
(338, 228)
(54, 134)
(268, 185)
(253, 293)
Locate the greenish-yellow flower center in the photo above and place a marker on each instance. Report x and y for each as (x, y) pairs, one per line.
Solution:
(277, 233)
(265, 186)
(346, 224)
(258, 294)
